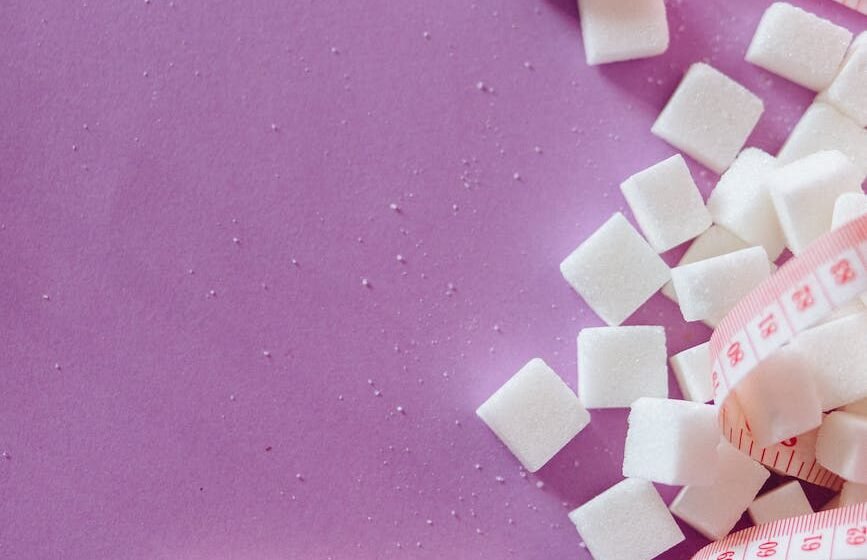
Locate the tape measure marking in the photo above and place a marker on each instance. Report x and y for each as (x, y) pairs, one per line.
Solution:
(808, 288)
(837, 534)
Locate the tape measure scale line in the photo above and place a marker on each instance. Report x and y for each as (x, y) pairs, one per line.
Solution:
(804, 291)
(837, 534)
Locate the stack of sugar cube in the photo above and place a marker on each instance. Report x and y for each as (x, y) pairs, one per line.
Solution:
(761, 206)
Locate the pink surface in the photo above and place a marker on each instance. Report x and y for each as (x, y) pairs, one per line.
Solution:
(162, 165)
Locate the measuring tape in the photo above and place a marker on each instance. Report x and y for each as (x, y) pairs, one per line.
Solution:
(829, 274)
(837, 534)
(857, 5)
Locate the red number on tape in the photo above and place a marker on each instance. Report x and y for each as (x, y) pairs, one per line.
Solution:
(803, 298)
(856, 536)
(843, 272)
(768, 325)
(791, 442)
(727, 555)
(812, 543)
(735, 354)
(767, 549)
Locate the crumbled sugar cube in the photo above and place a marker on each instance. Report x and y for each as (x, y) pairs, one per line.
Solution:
(708, 289)
(671, 442)
(714, 242)
(823, 127)
(799, 46)
(615, 30)
(714, 510)
(709, 117)
(835, 357)
(692, 369)
(848, 207)
(666, 203)
(780, 399)
(615, 270)
(741, 202)
(858, 407)
(617, 365)
(630, 503)
(848, 91)
(534, 414)
(841, 446)
(782, 502)
(804, 193)
(853, 493)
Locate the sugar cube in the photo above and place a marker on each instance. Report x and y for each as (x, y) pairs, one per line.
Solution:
(615, 270)
(708, 289)
(534, 414)
(858, 407)
(804, 193)
(714, 242)
(848, 91)
(782, 502)
(853, 493)
(693, 372)
(671, 442)
(780, 398)
(822, 127)
(617, 365)
(714, 510)
(709, 117)
(842, 446)
(615, 30)
(798, 46)
(666, 203)
(741, 202)
(835, 356)
(630, 503)
(848, 207)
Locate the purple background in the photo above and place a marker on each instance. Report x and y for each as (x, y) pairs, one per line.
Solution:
(155, 151)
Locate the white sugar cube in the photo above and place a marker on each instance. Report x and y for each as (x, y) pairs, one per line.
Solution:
(615, 270)
(798, 46)
(848, 91)
(630, 503)
(708, 289)
(535, 414)
(714, 510)
(782, 502)
(842, 446)
(709, 117)
(615, 30)
(804, 193)
(835, 357)
(848, 207)
(666, 203)
(714, 242)
(741, 202)
(780, 399)
(671, 442)
(822, 127)
(858, 407)
(693, 372)
(617, 365)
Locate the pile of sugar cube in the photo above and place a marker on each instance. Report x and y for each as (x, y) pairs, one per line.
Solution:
(761, 206)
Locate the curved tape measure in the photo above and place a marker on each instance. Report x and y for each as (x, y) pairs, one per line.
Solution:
(837, 534)
(857, 5)
(807, 289)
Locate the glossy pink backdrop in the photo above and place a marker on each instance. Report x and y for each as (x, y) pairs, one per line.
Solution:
(191, 194)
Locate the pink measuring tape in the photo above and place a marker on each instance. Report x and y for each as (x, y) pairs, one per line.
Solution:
(831, 273)
(837, 534)
(807, 289)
